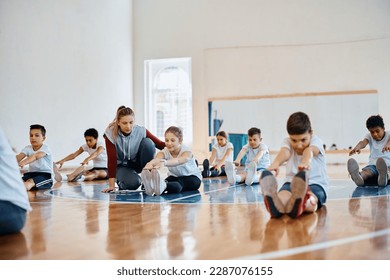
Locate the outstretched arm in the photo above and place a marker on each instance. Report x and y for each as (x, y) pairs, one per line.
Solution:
(213, 156)
(259, 155)
(20, 156)
(184, 157)
(361, 145)
(222, 161)
(240, 155)
(94, 155)
(282, 156)
(32, 158)
(307, 156)
(156, 162)
(386, 147)
(70, 156)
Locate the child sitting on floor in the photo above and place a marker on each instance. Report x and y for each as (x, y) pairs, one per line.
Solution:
(257, 160)
(221, 152)
(97, 153)
(306, 184)
(184, 174)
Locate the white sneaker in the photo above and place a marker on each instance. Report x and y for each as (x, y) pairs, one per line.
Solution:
(251, 172)
(230, 171)
(147, 182)
(159, 183)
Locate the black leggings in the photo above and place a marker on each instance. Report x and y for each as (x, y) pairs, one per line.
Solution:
(181, 184)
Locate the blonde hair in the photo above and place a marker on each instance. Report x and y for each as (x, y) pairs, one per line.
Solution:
(121, 112)
(177, 131)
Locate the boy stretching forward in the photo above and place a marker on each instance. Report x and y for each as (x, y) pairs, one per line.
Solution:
(39, 158)
(257, 160)
(97, 153)
(306, 184)
(376, 172)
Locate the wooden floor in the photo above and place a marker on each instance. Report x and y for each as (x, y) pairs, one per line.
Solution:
(75, 221)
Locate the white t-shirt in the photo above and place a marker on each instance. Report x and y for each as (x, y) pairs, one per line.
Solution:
(317, 172)
(221, 151)
(376, 149)
(44, 164)
(186, 169)
(101, 160)
(251, 153)
(12, 188)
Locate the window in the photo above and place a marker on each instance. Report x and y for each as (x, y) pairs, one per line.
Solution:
(168, 97)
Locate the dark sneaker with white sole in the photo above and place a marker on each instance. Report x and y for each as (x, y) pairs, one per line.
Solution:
(353, 170)
(383, 176)
(269, 187)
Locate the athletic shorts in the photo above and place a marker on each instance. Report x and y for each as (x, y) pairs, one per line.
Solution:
(42, 180)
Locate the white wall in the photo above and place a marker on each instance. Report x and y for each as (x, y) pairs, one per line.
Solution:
(252, 47)
(65, 64)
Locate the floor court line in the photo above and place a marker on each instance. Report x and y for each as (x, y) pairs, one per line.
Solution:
(316, 246)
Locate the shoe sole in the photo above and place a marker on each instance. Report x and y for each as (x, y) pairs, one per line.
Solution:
(159, 183)
(381, 166)
(353, 170)
(206, 166)
(272, 202)
(229, 170)
(147, 182)
(250, 174)
(294, 206)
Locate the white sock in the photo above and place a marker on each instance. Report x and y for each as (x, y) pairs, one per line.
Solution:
(82, 178)
(238, 178)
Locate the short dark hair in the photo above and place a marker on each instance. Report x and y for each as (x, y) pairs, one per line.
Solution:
(253, 131)
(375, 121)
(91, 132)
(40, 127)
(298, 123)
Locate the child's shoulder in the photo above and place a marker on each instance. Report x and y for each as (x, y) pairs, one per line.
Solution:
(45, 148)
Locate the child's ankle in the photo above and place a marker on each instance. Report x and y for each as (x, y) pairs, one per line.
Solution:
(311, 204)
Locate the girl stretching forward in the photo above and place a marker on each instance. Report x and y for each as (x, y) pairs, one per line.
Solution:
(184, 174)
(222, 151)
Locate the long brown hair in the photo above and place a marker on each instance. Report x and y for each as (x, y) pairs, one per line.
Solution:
(121, 112)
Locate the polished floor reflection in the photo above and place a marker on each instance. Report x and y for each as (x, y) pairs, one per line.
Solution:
(78, 221)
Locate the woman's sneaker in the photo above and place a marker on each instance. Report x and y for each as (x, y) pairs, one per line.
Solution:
(353, 170)
(269, 187)
(383, 177)
(295, 206)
